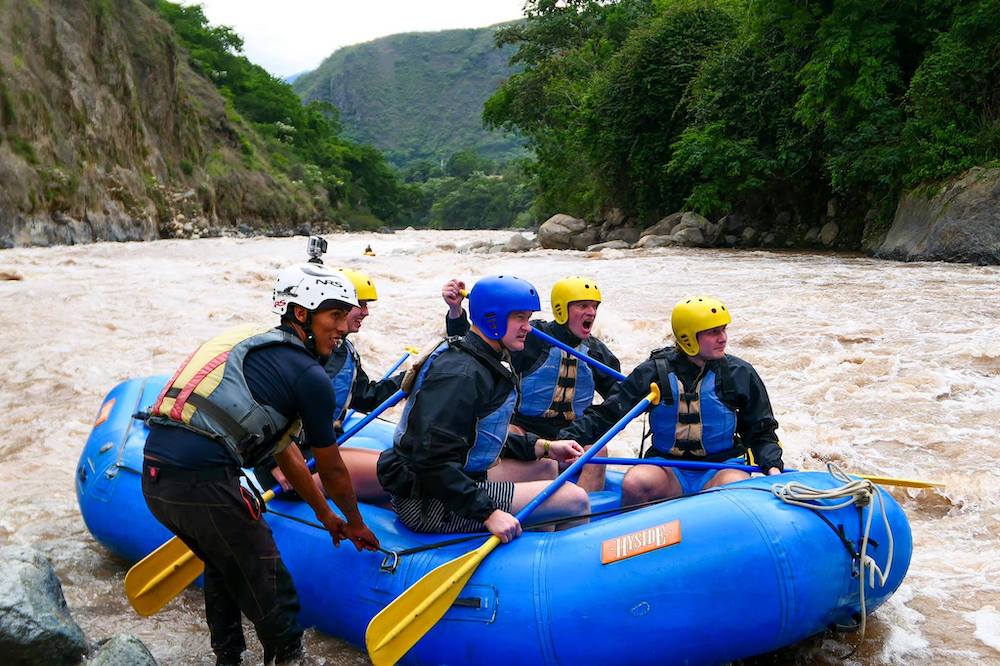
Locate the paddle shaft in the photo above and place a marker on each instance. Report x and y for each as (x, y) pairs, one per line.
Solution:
(697, 465)
(594, 363)
(394, 368)
(389, 403)
(651, 398)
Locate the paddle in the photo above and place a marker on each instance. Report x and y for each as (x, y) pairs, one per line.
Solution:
(697, 465)
(410, 351)
(164, 573)
(402, 623)
(594, 363)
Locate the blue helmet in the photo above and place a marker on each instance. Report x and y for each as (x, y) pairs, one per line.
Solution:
(492, 299)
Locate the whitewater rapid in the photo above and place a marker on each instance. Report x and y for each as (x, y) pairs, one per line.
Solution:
(882, 367)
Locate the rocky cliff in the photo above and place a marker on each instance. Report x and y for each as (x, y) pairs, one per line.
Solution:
(106, 133)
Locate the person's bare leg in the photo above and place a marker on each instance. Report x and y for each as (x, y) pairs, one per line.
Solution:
(509, 469)
(592, 477)
(724, 476)
(361, 464)
(569, 500)
(644, 483)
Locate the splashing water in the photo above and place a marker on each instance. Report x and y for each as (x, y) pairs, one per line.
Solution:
(886, 368)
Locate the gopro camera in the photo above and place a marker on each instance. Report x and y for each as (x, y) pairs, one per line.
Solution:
(316, 249)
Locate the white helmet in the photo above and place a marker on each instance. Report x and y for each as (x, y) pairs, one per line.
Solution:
(313, 286)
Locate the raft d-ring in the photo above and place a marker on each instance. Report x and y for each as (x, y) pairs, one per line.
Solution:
(390, 562)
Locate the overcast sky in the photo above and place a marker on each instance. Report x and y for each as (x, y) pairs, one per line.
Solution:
(293, 36)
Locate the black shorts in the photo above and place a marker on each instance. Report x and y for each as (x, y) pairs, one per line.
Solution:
(431, 515)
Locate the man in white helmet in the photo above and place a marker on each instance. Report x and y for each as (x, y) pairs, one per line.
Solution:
(233, 403)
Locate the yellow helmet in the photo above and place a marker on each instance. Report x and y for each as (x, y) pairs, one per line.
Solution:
(571, 289)
(362, 284)
(694, 315)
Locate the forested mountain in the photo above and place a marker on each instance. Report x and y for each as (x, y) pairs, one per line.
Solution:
(417, 96)
(136, 119)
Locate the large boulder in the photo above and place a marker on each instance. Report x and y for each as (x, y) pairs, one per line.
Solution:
(665, 226)
(959, 222)
(557, 232)
(520, 243)
(627, 234)
(649, 242)
(35, 623)
(585, 238)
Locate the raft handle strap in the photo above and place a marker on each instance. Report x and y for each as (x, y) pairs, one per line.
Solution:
(860, 493)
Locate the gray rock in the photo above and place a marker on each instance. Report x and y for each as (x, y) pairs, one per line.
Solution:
(812, 236)
(768, 240)
(475, 246)
(123, 650)
(610, 245)
(688, 237)
(828, 233)
(959, 222)
(732, 223)
(729, 240)
(627, 234)
(35, 623)
(749, 236)
(585, 238)
(614, 218)
(664, 227)
(556, 233)
(783, 218)
(831, 207)
(649, 242)
(245, 229)
(519, 243)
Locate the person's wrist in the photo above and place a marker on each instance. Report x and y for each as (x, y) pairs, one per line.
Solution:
(546, 448)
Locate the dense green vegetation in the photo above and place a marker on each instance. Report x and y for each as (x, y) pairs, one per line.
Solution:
(470, 192)
(758, 107)
(448, 189)
(304, 140)
(417, 96)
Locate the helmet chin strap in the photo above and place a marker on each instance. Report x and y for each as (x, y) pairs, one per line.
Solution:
(306, 326)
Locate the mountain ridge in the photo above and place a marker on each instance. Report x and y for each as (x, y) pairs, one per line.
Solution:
(417, 95)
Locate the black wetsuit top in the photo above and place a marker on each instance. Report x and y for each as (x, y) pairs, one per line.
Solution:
(741, 390)
(465, 383)
(534, 354)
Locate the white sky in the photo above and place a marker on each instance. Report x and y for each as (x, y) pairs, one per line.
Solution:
(293, 36)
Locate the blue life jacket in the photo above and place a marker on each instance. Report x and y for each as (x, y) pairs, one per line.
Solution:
(694, 424)
(343, 380)
(561, 386)
(491, 430)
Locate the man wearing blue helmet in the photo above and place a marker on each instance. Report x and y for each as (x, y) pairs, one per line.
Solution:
(454, 427)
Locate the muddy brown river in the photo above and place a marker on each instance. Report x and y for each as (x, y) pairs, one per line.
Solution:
(886, 368)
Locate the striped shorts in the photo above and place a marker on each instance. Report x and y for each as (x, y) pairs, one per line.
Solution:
(431, 515)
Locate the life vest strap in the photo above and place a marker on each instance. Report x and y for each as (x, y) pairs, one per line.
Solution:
(217, 414)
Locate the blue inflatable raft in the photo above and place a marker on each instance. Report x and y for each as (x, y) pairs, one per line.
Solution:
(704, 579)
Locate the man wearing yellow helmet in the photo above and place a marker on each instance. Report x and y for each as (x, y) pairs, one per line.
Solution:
(556, 388)
(352, 390)
(714, 407)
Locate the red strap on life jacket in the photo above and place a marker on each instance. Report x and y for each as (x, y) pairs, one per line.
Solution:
(169, 384)
(182, 397)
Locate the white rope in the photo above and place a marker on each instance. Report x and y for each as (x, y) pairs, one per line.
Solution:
(860, 492)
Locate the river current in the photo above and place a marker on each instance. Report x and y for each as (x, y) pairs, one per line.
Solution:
(882, 367)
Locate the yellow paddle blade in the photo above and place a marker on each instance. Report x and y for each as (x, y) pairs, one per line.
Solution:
(907, 483)
(161, 576)
(399, 626)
